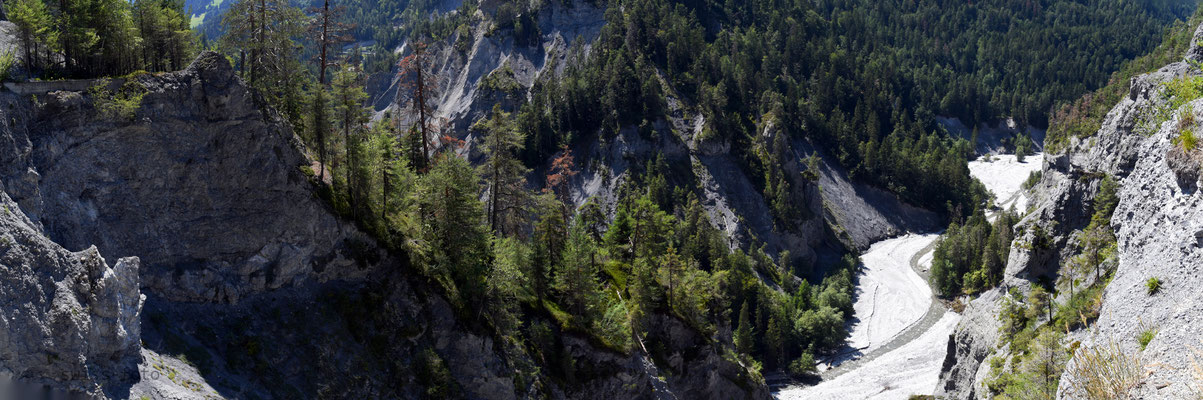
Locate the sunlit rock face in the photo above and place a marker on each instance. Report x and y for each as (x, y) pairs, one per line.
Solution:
(1157, 225)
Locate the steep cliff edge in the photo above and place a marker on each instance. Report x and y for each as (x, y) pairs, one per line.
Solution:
(1157, 229)
(66, 319)
(202, 183)
(253, 286)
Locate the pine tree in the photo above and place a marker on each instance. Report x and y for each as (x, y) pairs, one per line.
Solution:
(1039, 301)
(349, 100)
(262, 32)
(775, 341)
(649, 227)
(34, 25)
(327, 32)
(320, 127)
(671, 268)
(380, 174)
(576, 277)
(563, 168)
(419, 82)
(507, 281)
(167, 41)
(591, 216)
(743, 334)
(550, 236)
(503, 172)
(456, 239)
(1045, 364)
(1023, 147)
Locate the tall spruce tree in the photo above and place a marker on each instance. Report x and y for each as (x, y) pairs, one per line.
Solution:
(349, 98)
(503, 172)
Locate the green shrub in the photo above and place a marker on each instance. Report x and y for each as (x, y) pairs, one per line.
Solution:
(1145, 337)
(1023, 147)
(1082, 307)
(7, 60)
(122, 104)
(804, 365)
(501, 80)
(1186, 139)
(434, 374)
(1183, 90)
(1153, 285)
(1032, 180)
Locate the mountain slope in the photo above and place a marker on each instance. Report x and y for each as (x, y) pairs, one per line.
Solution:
(1156, 231)
(248, 275)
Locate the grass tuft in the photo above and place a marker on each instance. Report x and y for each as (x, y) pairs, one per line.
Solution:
(1153, 285)
(1186, 129)
(1197, 369)
(1104, 372)
(1146, 336)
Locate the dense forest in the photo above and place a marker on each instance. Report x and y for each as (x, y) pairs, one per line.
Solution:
(863, 80)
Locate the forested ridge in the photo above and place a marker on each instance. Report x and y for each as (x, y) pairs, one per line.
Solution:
(862, 80)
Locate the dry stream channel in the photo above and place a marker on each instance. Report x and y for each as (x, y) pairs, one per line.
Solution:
(899, 333)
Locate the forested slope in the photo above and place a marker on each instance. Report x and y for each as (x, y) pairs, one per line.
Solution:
(672, 193)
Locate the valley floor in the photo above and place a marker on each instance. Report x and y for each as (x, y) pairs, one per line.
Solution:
(898, 337)
(890, 296)
(913, 368)
(1004, 175)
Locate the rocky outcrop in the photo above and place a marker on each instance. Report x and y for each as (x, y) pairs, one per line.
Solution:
(200, 160)
(1158, 224)
(67, 320)
(1187, 167)
(254, 287)
(1157, 229)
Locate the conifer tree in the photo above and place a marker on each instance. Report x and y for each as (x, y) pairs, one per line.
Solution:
(320, 127)
(349, 100)
(503, 172)
(327, 31)
(743, 334)
(671, 268)
(1044, 367)
(419, 82)
(576, 278)
(550, 235)
(453, 225)
(775, 341)
(263, 33)
(34, 25)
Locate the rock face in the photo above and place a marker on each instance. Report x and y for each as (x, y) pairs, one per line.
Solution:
(247, 274)
(1158, 225)
(1158, 228)
(66, 319)
(269, 294)
(841, 214)
(199, 161)
(1187, 167)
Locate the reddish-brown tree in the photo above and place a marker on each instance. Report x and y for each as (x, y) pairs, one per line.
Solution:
(563, 168)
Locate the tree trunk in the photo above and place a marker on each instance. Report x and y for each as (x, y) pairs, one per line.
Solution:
(421, 100)
(350, 158)
(323, 42)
